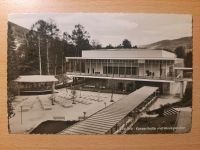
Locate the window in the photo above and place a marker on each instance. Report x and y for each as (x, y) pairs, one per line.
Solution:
(128, 70)
(109, 70)
(121, 70)
(104, 70)
(115, 70)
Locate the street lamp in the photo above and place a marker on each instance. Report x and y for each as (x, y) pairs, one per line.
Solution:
(84, 115)
(111, 99)
(98, 95)
(80, 91)
(105, 104)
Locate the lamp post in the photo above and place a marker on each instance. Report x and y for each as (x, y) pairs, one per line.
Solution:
(80, 91)
(111, 99)
(105, 104)
(73, 96)
(98, 95)
(84, 115)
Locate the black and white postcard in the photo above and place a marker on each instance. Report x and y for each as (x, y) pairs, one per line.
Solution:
(99, 73)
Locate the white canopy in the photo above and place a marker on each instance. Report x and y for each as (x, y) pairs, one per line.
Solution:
(36, 78)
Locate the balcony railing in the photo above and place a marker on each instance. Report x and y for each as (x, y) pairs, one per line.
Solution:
(171, 78)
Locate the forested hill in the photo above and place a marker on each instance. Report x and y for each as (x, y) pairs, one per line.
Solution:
(171, 45)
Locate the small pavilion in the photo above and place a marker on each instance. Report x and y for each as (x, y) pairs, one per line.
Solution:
(31, 84)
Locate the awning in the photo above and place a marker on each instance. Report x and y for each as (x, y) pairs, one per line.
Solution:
(36, 78)
(105, 119)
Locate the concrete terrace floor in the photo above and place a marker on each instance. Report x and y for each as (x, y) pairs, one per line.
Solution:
(163, 100)
(33, 111)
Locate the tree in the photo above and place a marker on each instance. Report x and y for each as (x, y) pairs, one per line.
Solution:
(135, 46)
(12, 57)
(96, 45)
(180, 52)
(126, 43)
(109, 46)
(80, 38)
(39, 40)
(11, 70)
(119, 46)
(47, 33)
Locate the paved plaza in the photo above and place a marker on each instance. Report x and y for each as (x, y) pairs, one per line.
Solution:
(32, 110)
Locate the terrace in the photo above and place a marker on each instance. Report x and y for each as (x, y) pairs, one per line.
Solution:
(123, 77)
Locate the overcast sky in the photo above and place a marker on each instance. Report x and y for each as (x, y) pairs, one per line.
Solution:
(112, 28)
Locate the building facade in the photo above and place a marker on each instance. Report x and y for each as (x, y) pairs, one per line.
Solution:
(135, 65)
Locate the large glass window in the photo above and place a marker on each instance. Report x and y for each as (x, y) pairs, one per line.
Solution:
(105, 70)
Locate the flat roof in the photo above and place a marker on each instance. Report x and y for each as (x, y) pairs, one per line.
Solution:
(120, 58)
(36, 78)
(105, 119)
(128, 53)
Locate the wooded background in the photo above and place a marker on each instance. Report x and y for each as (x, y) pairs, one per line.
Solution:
(141, 142)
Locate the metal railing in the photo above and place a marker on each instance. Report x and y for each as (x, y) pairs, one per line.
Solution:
(173, 78)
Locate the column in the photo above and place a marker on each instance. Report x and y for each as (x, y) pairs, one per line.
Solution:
(138, 70)
(80, 65)
(160, 68)
(18, 85)
(107, 67)
(90, 67)
(70, 67)
(131, 68)
(118, 67)
(125, 68)
(75, 66)
(151, 68)
(166, 69)
(101, 67)
(144, 68)
(181, 89)
(113, 67)
(65, 67)
(96, 65)
(53, 87)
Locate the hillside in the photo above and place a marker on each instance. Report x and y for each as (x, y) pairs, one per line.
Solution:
(19, 33)
(171, 44)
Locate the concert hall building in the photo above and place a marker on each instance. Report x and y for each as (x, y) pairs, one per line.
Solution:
(129, 69)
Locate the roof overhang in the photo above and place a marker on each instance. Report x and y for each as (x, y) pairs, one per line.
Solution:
(121, 78)
(119, 58)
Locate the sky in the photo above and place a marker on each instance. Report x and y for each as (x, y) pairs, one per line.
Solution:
(113, 28)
